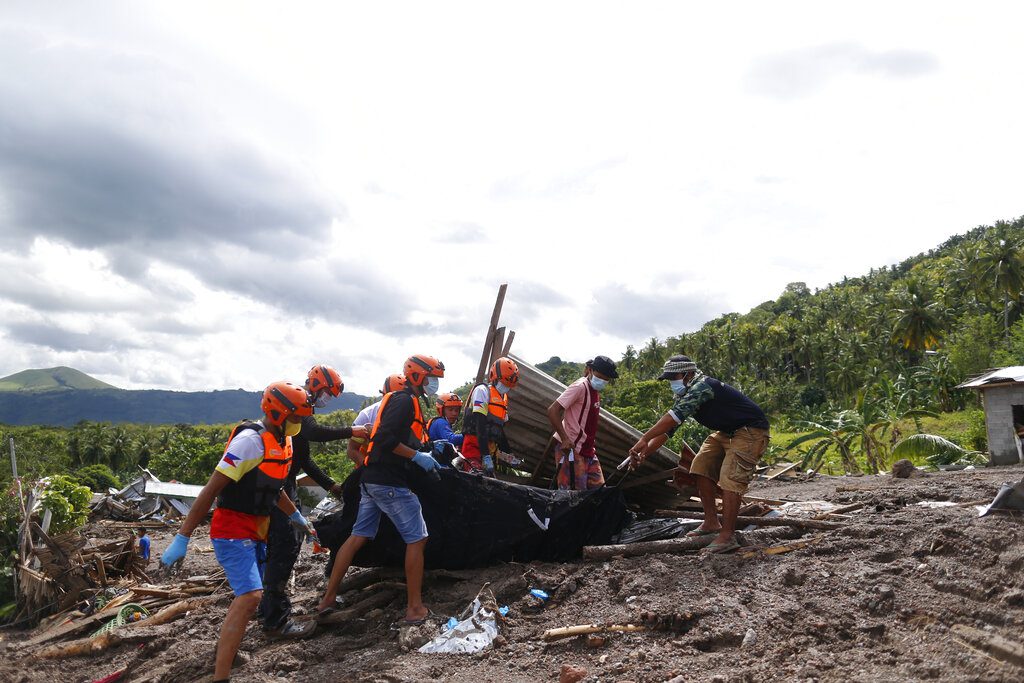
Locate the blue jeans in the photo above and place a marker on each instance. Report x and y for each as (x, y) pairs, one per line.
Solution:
(400, 505)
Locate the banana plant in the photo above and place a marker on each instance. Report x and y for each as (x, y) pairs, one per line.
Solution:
(937, 451)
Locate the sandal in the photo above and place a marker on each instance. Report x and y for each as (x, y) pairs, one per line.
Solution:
(721, 548)
(698, 532)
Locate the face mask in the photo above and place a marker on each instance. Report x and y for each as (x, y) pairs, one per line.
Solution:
(678, 386)
(430, 388)
(598, 383)
(292, 428)
(322, 400)
(502, 389)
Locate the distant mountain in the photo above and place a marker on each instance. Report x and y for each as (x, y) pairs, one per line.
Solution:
(62, 397)
(51, 378)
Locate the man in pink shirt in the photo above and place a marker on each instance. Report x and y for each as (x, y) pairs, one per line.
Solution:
(574, 415)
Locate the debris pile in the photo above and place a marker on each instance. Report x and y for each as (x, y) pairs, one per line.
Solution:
(146, 498)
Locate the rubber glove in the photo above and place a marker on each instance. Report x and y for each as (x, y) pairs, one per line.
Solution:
(426, 461)
(302, 524)
(488, 463)
(175, 551)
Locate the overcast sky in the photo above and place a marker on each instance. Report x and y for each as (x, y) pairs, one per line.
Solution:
(204, 196)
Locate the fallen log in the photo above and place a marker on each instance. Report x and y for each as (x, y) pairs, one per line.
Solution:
(840, 511)
(797, 522)
(365, 578)
(357, 610)
(677, 545)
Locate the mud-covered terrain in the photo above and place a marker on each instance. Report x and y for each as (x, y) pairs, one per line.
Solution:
(885, 598)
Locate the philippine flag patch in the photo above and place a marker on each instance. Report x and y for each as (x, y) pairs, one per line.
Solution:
(231, 459)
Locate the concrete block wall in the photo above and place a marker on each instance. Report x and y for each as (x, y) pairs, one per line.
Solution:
(999, 402)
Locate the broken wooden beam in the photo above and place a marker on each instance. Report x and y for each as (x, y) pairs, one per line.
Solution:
(678, 545)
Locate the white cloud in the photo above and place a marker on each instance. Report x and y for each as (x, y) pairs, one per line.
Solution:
(203, 196)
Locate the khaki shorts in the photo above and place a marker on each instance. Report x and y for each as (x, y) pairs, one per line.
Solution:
(730, 461)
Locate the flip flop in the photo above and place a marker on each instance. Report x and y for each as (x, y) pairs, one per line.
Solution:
(697, 533)
(721, 548)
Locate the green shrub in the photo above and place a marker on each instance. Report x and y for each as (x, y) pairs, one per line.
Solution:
(99, 478)
(67, 501)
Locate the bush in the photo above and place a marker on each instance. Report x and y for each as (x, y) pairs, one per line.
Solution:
(67, 501)
(99, 478)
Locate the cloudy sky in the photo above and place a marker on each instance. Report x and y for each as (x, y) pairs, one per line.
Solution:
(206, 195)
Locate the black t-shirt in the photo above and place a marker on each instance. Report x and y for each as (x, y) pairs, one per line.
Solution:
(301, 460)
(396, 420)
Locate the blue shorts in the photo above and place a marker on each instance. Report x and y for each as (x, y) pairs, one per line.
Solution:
(400, 505)
(243, 561)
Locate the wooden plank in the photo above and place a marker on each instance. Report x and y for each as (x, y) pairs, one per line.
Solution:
(507, 349)
(780, 471)
(797, 522)
(491, 327)
(496, 345)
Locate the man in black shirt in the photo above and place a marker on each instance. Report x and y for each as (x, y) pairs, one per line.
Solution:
(323, 382)
(726, 458)
(397, 440)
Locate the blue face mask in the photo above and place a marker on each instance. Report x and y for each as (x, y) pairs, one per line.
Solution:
(502, 389)
(430, 388)
(678, 386)
(322, 400)
(598, 383)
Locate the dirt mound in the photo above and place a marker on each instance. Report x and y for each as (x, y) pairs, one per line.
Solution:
(901, 592)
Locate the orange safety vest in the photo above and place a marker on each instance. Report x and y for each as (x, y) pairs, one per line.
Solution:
(497, 405)
(256, 493)
(417, 430)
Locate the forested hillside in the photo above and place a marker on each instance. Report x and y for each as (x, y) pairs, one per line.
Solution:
(860, 355)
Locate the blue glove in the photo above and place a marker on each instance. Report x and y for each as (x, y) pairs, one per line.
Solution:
(488, 463)
(302, 524)
(424, 460)
(175, 551)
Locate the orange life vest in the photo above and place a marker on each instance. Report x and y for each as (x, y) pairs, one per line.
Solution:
(256, 493)
(417, 430)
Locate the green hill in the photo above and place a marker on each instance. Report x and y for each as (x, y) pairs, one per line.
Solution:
(49, 379)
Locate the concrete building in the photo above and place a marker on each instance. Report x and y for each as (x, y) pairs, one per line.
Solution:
(1002, 392)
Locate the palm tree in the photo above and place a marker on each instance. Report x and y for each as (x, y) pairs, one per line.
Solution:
(837, 433)
(999, 265)
(918, 324)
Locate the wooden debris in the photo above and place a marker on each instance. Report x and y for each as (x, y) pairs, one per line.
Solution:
(674, 545)
(778, 549)
(652, 621)
(357, 610)
(839, 511)
(992, 644)
(797, 522)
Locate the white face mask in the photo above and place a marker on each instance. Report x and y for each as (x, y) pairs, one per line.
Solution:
(322, 400)
(502, 389)
(598, 383)
(430, 388)
(678, 386)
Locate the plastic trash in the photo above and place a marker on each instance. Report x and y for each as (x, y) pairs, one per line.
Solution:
(536, 599)
(503, 610)
(472, 634)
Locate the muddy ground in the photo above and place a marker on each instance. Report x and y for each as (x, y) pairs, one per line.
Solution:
(873, 601)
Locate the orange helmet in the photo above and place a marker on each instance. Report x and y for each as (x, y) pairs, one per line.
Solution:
(393, 383)
(447, 401)
(281, 400)
(504, 370)
(324, 378)
(419, 367)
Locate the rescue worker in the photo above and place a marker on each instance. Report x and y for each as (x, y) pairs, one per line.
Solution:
(397, 442)
(322, 384)
(574, 415)
(357, 444)
(484, 425)
(247, 484)
(441, 428)
(726, 458)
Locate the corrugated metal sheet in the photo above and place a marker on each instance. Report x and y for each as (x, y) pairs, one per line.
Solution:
(169, 490)
(1010, 375)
